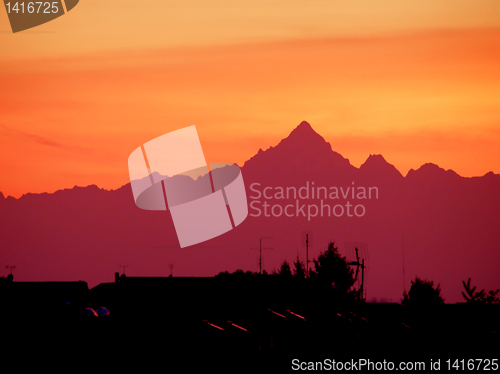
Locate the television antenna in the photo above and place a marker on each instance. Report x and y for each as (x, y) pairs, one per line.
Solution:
(359, 248)
(307, 241)
(10, 267)
(123, 266)
(171, 266)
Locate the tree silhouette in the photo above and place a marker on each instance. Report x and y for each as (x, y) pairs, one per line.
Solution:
(332, 269)
(480, 297)
(423, 293)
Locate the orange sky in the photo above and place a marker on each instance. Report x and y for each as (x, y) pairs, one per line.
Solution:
(80, 93)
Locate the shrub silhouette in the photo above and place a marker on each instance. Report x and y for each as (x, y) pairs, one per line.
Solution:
(423, 293)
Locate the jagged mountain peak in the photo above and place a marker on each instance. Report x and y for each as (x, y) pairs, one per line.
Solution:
(374, 160)
(377, 165)
(430, 171)
(304, 149)
(303, 128)
(430, 168)
(304, 134)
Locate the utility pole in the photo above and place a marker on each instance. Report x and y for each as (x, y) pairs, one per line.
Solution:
(404, 283)
(307, 254)
(363, 279)
(260, 252)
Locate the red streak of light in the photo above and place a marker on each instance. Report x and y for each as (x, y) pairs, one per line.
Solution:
(295, 314)
(211, 324)
(242, 328)
(281, 315)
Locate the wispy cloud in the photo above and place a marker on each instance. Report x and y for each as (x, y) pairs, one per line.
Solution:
(43, 140)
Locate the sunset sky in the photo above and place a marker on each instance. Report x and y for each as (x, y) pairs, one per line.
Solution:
(416, 81)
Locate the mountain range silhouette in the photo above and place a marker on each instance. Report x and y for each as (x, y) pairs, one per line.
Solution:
(444, 226)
